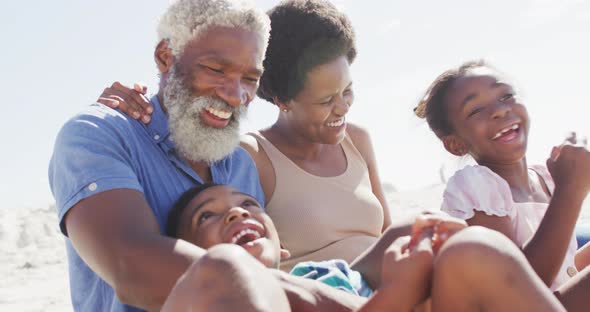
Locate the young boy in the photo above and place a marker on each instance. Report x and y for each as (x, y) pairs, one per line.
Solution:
(210, 215)
(225, 215)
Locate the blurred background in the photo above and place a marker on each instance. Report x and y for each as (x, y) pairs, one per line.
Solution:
(59, 55)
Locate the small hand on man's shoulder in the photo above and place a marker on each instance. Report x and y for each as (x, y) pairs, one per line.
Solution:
(131, 101)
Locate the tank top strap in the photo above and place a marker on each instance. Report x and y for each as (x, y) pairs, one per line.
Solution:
(276, 157)
(352, 153)
(354, 159)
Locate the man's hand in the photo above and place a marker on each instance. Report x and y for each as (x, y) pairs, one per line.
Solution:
(130, 101)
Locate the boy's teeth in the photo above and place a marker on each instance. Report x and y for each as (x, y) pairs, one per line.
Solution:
(241, 234)
(223, 114)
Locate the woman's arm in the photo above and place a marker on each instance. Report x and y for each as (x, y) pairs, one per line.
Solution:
(362, 141)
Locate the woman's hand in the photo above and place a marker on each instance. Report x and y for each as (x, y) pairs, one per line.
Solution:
(130, 101)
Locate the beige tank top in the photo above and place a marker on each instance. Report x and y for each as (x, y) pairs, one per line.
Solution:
(323, 218)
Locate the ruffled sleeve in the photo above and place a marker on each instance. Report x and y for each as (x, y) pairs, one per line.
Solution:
(477, 188)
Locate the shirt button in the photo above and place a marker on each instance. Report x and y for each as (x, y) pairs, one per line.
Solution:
(92, 187)
(156, 137)
(571, 271)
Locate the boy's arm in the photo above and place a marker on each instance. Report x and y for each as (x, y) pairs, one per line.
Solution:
(116, 234)
(370, 262)
(406, 273)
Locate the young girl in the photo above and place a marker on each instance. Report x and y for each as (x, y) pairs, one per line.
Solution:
(475, 112)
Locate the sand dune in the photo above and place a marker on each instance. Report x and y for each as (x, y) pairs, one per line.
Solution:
(32, 261)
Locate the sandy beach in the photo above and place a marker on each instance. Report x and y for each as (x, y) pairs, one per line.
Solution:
(32, 261)
(33, 257)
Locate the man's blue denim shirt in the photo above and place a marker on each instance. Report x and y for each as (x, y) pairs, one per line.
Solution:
(102, 149)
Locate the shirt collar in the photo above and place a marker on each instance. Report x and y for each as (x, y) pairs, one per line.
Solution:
(158, 127)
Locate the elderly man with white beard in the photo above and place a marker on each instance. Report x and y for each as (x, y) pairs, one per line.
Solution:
(114, 179)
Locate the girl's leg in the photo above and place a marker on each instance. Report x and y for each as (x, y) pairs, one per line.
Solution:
(227, 279)
(574, 293)
(481, 270)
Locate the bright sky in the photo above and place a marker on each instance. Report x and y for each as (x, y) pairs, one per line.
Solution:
(59, 55)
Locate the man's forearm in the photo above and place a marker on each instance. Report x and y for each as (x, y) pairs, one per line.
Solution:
(118, 237)
(149, 271)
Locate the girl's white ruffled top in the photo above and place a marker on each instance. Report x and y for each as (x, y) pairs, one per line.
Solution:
(479, 188)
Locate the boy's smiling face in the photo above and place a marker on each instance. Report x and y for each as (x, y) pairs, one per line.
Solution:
(223, 215)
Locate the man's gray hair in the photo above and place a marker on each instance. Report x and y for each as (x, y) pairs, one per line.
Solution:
(186, 19)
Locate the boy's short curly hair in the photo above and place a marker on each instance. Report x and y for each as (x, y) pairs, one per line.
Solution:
(185, 20)
(304, 34)
(175, 214)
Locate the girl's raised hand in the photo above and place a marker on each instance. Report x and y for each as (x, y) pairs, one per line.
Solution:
(130, 101)
(569, 165)
(571, 139)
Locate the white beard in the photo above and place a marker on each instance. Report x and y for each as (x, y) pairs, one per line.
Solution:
(195, 140)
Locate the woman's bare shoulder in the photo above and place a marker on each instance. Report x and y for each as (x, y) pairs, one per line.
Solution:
(362, 140)
(357, 132)
(249, 143)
